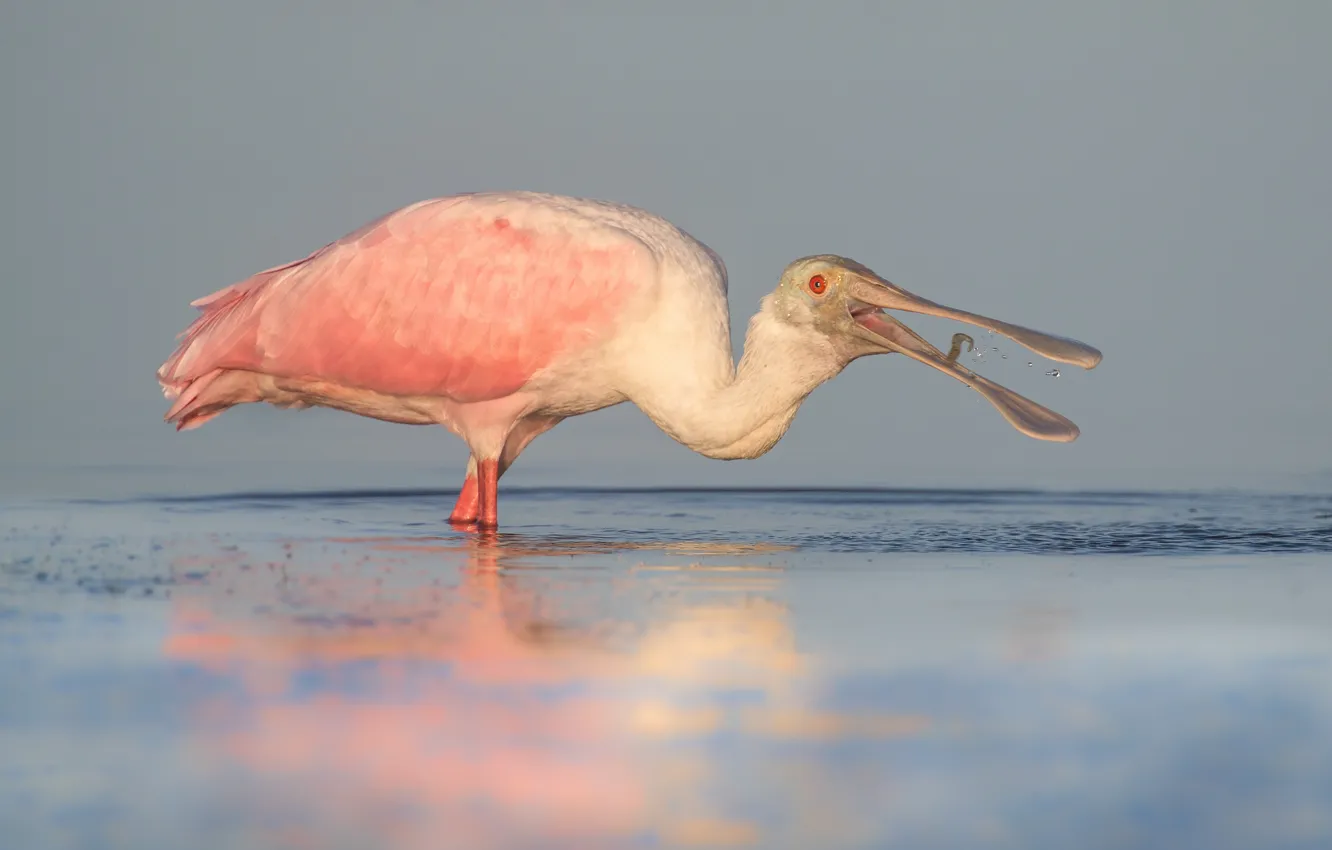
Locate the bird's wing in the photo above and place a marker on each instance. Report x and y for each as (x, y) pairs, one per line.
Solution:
(464, 297)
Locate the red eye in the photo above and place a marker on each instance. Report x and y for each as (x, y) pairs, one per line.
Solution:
(818, 284)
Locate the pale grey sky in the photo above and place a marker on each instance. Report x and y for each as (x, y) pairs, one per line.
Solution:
(1152, 178)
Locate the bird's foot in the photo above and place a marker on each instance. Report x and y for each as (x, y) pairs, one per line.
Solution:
(486, 535)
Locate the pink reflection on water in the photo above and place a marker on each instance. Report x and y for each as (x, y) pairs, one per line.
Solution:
(466, 700)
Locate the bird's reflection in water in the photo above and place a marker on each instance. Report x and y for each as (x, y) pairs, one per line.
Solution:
(488, 692)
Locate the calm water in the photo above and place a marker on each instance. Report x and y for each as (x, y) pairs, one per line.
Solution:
(795, 669)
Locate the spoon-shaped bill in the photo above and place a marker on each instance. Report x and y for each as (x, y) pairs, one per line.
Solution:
(872, 289)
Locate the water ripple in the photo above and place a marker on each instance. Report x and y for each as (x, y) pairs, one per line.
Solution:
(869, 520)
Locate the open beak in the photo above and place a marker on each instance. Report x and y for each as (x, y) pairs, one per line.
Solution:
(871, 292)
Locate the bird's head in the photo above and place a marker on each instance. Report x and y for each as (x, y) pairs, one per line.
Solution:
(843, 302)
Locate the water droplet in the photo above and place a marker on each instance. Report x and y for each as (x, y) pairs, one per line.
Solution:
(1005, 356)
(1030, 364)
(1053, 373)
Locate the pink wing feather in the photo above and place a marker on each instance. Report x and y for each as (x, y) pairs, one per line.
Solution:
(463, 297)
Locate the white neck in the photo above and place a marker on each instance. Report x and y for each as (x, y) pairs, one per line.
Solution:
(749, 411)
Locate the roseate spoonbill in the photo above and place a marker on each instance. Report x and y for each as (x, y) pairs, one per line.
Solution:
(498, 315)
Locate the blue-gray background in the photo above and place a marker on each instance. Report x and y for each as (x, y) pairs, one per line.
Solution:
(1152, 178)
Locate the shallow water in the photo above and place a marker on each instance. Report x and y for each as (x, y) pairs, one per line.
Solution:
(775, 669)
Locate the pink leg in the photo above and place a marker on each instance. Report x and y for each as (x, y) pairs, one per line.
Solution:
(471, 506)
(469, 500)
(488, 481)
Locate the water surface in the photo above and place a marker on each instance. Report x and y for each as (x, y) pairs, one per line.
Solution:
(668, 669)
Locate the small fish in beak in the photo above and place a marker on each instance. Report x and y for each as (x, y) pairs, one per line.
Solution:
(870, 294)
(956, 350)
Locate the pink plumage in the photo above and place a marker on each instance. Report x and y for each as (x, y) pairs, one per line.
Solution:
(449, 298)
(499, 315)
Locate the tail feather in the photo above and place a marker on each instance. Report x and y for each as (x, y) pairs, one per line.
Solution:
(186, 409)
(238, 291)
(207, 396)
(226, 322)
(221, 337)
